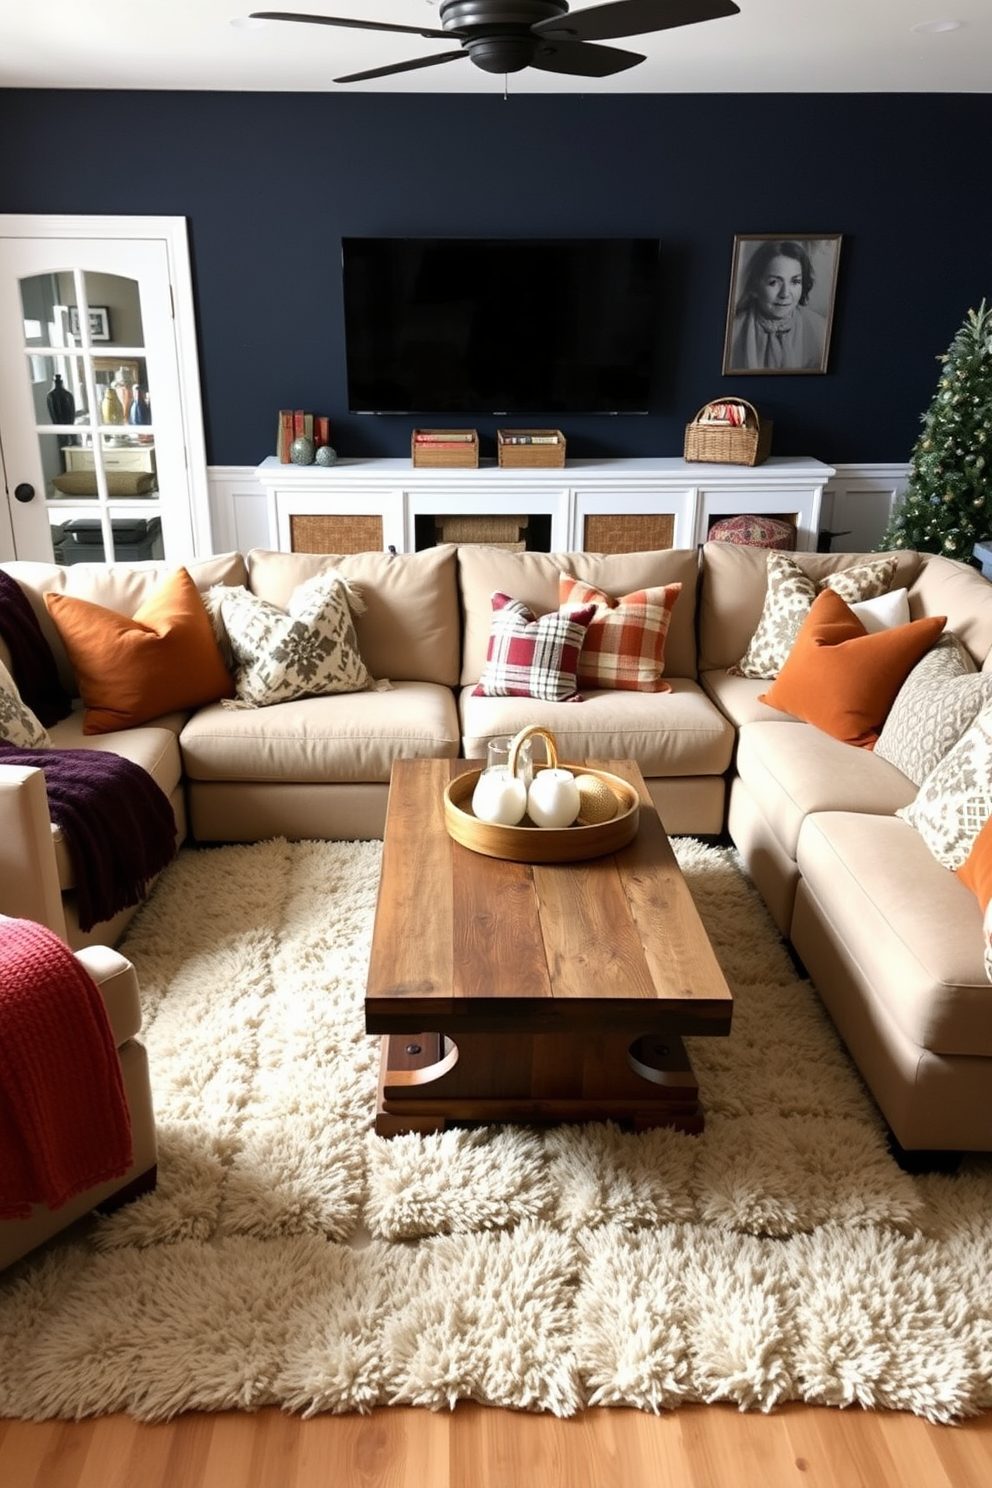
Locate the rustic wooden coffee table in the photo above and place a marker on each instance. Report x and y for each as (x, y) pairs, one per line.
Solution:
(534, 993)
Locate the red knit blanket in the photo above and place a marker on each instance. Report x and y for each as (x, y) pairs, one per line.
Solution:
(64, 1120)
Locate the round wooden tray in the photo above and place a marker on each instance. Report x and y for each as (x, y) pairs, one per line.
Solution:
(529, 844)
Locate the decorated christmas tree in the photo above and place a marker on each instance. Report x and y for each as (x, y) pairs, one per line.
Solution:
(947, 507)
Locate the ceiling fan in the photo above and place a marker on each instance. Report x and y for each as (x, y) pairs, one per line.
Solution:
(508, 35)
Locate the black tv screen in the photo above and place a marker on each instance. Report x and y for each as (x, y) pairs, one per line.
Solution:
(505, 326)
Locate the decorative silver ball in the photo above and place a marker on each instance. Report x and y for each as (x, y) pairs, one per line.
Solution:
(301, 451)
(326, 456)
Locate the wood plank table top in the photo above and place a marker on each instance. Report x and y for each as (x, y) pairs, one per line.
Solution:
(466, 945)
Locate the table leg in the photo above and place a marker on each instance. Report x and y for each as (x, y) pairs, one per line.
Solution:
(428, 1081)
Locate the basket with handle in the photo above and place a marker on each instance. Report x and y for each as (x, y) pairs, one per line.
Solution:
(528, 843)
(721, 442)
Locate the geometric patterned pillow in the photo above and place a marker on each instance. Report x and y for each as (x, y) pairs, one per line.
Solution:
(624, 648)
(939, 700)
(530, 657)
(18, 725)
(788, 598)
(307, 650)
(955, 800)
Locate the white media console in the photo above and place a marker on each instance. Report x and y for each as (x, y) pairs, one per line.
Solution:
(632, 504)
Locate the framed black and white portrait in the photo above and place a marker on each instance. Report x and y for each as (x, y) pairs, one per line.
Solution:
(99, 322)
(781, 307)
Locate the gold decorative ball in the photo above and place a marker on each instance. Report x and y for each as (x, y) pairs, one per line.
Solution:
(597, 803)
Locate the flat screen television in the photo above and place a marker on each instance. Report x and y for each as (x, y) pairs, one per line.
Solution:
(504, 326)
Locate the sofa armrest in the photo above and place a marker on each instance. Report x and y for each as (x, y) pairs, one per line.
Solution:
(29, 879)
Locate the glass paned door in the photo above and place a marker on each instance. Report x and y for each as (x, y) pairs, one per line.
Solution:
(95, 426)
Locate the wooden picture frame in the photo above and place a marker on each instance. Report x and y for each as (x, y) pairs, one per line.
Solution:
(99, 322)
(781, 305)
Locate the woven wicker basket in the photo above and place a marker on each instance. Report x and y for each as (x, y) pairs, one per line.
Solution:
(433, 451)
(528, 843)
(542, 455)
(749, 443)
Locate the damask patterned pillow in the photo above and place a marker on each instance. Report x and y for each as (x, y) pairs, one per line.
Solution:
(955, 800)
(533, 657)
(307, 650)
(788, 600)
(939, 700)
(18, 725)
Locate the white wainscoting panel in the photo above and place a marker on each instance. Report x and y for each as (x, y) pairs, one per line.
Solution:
(239, 513)
(858, 502)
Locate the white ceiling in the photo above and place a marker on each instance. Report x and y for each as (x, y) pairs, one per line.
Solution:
(773, 46)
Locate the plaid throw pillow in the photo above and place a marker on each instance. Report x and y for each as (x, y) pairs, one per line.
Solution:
(624, 648)
(530, 657)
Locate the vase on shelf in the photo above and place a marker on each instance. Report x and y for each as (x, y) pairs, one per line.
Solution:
(61, 403)
(111, 411)
(139, 411)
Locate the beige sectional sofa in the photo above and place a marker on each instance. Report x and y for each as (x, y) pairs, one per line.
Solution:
(892, 940)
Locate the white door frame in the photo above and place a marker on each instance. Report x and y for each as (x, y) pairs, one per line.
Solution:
(173, 232)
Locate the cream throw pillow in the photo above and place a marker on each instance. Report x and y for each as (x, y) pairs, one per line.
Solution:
(955, 800)
(307, 650)
(788, 601)
(939, 700)
(18, 725)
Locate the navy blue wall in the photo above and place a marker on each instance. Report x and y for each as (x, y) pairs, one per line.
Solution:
(270, 182)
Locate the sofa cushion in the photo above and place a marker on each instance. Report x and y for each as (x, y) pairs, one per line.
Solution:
(842, 679)
(624, 645)
(131, 669)
(531, 657)
(667, 734)
(18, 725)
(938, 701)
(308, 649)
(349, 737)
(912, 930)
(955, 800)
(793, 770)
(116, 586)
(733, 584)
(944, 586)
(789, 597)
(532, 578)
(410, 630)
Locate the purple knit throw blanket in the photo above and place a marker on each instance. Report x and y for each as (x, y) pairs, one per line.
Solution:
(118, 825)
(32, 663)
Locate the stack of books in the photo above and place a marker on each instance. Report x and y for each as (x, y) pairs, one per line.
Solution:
(296, 421)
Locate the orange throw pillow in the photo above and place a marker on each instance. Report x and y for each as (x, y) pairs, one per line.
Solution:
(976, 870)
(132, 669)
(842, 679)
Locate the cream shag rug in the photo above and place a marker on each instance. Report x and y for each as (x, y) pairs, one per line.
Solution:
(291, 1257)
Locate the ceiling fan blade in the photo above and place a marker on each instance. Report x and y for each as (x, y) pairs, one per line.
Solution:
(377, 72)
(632, 18)
(322, 20)
(579, 59)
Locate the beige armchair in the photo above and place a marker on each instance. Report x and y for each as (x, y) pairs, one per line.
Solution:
(115, 976)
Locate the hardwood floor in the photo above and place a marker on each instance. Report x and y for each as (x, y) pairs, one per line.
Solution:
(475, 1447)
